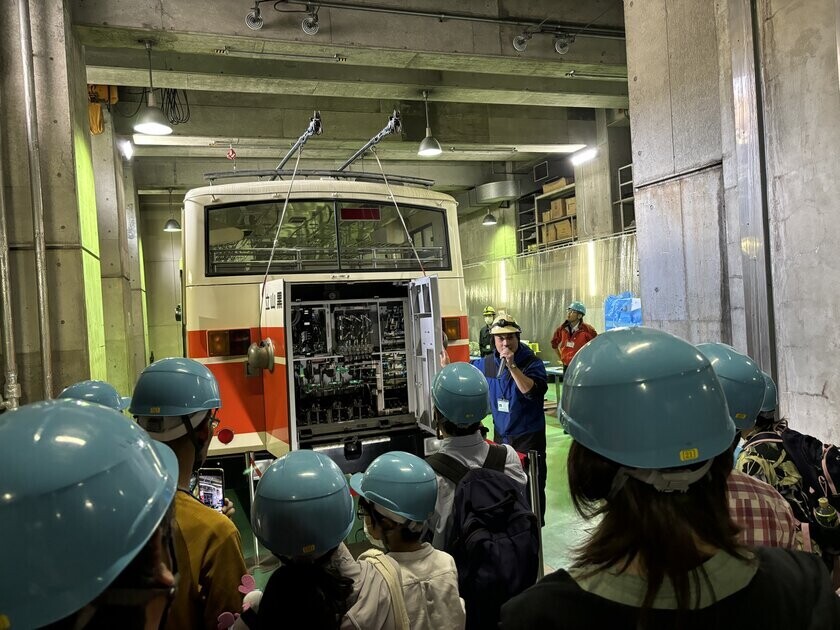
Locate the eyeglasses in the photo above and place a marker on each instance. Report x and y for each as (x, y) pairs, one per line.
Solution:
(362, 513)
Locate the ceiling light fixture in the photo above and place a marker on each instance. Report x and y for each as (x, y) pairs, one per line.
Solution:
(151, 119)
(520, 42)
(562, 43)
(253, 19)
(172, 224)
(429, 147)
(584, 156)
(310, 23)
(489, 219)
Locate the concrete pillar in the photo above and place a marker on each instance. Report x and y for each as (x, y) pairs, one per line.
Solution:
(675, 108)
(596, 181)
(111, 206)
(799, 46)
(138, 329)
(73, 265)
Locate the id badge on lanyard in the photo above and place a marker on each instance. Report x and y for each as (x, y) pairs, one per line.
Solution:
(503, 405)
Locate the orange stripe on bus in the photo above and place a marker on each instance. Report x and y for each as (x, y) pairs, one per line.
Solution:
(242, 398)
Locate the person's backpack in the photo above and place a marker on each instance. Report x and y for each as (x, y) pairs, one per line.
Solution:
(494, 536)
(819, 466)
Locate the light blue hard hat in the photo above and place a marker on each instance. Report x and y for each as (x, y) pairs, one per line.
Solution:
(81, 492)
(771, 397)
(577, 306)
(400, 482)
(97, 392)
(645, 399)
(169, 389)
(459, 392)
(302, 506)
(742, 381)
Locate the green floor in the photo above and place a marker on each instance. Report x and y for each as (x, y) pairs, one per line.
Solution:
(562, 531)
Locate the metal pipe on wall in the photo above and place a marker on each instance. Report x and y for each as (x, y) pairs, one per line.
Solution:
(752, 184)
(11, 393)
(34, 150)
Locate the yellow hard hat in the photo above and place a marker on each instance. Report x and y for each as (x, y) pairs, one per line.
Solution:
(503, 325)
(489, 310)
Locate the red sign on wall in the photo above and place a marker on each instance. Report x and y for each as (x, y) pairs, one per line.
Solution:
(359, 214)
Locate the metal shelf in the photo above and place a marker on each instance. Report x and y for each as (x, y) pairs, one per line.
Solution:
(566, 191)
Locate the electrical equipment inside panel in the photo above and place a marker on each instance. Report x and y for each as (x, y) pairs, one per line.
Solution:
(350, 367)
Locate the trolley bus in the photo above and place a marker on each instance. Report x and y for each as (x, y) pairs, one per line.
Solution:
(323, 324)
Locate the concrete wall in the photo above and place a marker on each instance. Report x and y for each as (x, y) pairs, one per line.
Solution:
(161, 262)
(72, 261)
(675, 108)
(802, 134)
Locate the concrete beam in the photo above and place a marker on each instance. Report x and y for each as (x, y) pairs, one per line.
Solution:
(232, 75)
(368, 39)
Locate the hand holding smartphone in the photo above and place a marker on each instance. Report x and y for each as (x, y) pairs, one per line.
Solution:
(211, 487)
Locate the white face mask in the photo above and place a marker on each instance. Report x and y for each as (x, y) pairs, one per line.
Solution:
(488, 320)
(373, 541)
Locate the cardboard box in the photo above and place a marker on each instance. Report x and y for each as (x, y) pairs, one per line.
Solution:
(544, 233)
(547, 216)
(563, 230)
(571, 206)
(555, 185)
(558, 210)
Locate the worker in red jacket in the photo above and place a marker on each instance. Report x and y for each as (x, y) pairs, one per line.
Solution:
(572, 334)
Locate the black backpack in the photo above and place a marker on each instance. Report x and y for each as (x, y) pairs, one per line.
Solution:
(819, 466)
(494, 536)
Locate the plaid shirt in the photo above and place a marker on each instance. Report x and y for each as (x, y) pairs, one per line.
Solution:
(763, 515)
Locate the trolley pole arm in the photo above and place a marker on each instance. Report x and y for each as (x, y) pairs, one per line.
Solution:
(314, 129)
(394, 126)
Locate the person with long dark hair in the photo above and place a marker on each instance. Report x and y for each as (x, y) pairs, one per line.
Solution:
(648, 468)
(302, 512)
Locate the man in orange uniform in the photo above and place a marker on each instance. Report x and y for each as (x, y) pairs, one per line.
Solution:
(572, 334)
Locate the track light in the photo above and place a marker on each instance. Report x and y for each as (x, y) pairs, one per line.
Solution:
(489, 219)
(562, 43)
(520, 42)
(429, 147)
(151, 119)
(253, 19)
(310, 24)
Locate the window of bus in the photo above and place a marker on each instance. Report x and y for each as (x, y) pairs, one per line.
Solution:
(371, 236)
(240, 238)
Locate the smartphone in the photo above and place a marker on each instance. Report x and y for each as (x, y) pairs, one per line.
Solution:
(211, 487)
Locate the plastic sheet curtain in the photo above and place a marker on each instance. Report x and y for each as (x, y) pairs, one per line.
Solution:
(536, 289)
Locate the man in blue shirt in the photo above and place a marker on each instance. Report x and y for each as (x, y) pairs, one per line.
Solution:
(518, 383)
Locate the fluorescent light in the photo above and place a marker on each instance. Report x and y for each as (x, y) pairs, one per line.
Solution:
(127, 149)
(584, 156)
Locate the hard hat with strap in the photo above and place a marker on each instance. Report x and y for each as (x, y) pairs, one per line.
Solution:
(489, 311)
(81, 493)
(401, 483)
(577, 306)
(459, 392)
(504, 324)
(302, 507)
(743, 382)
(98, 392)
(649, 401)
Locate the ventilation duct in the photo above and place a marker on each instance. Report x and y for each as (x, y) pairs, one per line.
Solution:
(496, 192)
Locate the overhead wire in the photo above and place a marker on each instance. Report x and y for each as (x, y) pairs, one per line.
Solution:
(399, 212)
(277, 236)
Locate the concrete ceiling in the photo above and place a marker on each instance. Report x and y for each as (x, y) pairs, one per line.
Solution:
(255, 90)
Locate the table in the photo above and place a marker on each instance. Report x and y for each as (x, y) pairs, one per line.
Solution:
(557, 373)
